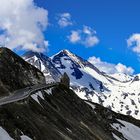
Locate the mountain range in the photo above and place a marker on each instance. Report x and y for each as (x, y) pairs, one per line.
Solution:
(52, 110)
(118, 92)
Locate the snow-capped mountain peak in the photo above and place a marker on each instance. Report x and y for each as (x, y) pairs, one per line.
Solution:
(69, 54)
(82, 74)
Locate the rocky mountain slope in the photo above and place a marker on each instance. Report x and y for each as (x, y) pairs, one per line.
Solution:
(58, 113)
(15, 73)
(119, 92)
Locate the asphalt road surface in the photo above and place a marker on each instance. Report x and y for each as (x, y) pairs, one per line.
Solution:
(24, 93)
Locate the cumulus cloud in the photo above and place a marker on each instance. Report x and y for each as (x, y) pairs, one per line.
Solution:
(22, 24)
(64, 20)
(86, 36)
(110, 68)
(134, 42)
(74, 37)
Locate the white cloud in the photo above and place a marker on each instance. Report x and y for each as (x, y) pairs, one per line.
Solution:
(110, 68)
(64, 20)
(124, 69)
(134, 42)
(22, 24)
(86, 36)
(74, 37)
(91, 41)
(88, 30)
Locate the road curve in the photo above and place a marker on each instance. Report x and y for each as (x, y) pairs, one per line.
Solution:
(24, 93)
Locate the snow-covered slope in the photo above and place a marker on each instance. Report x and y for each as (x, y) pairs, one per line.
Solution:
(122, 77)
(81, 72)
(43, 63)
(119, 92)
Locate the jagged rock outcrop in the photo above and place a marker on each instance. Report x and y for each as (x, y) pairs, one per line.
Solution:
(65, 80)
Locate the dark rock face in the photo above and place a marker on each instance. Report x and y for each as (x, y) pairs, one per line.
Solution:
(15, 73)
(77, 73)
(65, 80)
(61, 115)
(136, 78)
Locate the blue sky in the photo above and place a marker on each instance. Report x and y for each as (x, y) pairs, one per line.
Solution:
(114, 20)
(88, 28)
